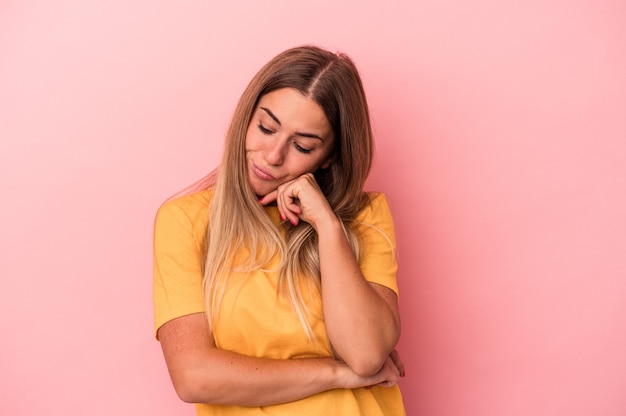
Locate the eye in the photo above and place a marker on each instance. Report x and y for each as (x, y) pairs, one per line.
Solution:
(264, 130)
(301, 149)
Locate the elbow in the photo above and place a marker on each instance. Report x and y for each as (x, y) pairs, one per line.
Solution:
(367, 365)
(189, 388)
(186, 396)
(367, 368)
(185, 391)
(369, 360)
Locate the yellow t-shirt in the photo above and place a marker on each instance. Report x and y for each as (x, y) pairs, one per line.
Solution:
(252, 319)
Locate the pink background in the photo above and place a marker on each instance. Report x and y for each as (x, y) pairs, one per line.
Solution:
(501, 131)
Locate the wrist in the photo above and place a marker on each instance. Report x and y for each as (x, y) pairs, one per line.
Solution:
(333, 375)
(340, 375)
(330, 223)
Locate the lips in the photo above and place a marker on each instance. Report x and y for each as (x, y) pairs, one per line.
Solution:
(262, 173)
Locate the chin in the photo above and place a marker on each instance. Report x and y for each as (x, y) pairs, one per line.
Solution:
(260, 190)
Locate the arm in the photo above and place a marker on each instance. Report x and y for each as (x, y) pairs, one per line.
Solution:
(202, 373)
(362, 318)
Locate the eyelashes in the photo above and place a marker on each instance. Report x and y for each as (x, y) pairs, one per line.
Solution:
(269, 132)
(302, 149)
(264, 130)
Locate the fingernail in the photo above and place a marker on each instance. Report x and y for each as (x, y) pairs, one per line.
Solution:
(282, 217)
(293, 222)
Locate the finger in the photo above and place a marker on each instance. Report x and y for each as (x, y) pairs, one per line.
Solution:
(397, 360)
(392, 376)
(293, 205)
(283, 201)
(291, 216)
(269, 198)
(389, 383)
(392, 365)
(288, 202)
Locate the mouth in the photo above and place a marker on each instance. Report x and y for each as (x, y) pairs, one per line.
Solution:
(262, 173)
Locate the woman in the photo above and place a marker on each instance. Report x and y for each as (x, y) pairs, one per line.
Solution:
(274, 287)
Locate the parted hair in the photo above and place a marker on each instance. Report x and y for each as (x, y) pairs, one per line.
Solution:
(238, 223)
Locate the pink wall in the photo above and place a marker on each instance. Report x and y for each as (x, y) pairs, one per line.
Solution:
(500, 134)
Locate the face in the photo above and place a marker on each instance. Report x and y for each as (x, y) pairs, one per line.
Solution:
(288, 136)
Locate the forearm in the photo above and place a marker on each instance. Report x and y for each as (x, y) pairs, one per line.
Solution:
(202, 373)
(361, 325)
(224, 377)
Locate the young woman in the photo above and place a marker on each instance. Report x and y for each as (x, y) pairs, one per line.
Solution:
(274, 286)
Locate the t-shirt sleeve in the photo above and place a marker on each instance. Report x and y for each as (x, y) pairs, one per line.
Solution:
(178, 264)
(378, 243)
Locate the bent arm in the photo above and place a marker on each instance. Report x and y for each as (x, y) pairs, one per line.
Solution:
(202, 373)
(362, 318)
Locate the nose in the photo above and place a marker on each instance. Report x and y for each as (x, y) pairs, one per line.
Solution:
(275, 153)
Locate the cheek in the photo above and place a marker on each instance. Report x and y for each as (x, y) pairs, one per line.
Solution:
(249, 140)
(301, 167)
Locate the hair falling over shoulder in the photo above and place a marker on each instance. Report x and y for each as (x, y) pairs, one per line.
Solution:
(332, 81)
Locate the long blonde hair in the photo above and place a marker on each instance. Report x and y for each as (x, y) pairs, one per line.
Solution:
(238, 223)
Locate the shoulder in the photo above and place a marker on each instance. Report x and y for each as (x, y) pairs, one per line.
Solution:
(375, 219)
(186, 214)
(376, 209)
(377, 241)
(188, 206)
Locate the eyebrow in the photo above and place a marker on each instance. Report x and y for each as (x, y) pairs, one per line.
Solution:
(273, 116)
